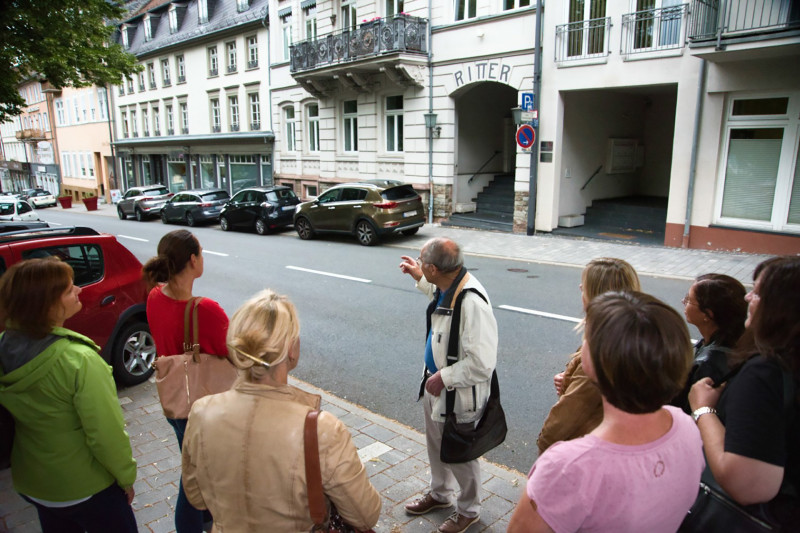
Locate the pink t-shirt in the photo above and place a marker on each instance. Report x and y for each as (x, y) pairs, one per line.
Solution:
(589, 484)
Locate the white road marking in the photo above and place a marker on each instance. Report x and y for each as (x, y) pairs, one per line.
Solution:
(215, 253)
(321, 273)
(376, 449)
(540, 313)
(133, 238)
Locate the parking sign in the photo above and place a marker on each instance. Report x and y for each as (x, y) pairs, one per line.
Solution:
(527, 102)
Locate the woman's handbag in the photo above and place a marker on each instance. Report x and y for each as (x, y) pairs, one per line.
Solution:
(184, 378)
(332, 522)
(460, 442)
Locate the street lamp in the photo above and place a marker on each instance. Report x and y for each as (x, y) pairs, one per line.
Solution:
(516, 114)
(430, 123)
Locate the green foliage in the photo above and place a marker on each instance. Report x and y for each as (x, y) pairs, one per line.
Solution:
(66, 42)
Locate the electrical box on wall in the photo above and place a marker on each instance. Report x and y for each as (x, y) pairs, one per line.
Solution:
(623, 156)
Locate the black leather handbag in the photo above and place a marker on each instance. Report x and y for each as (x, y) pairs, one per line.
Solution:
(463, 442)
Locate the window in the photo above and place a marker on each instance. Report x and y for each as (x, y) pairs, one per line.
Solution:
(130, 85)
(151, 74)
(122, 89)
(349, 15)
(216, 121)
(184, 118)
(141, 81)
(180, 66)
(312, 111)
(92, 106)
(148, 30)
(202, 11)
(761, 176)
(124, 32)
(165, 78)
(514, 4)
(350, 126)
(231, 53)
(291, 129)
(252, 51)
(233, 109)
(45, 121)
(102, 97)
(145, 124)
(173, 19)
(394, 123)
(467, 9)
(156, 121)
(86, 260)
(84, 116)
(310, 14)
(393, 7)
(587, 31)
(61, 119)
(286, 32)
(242, 5)
(213, 63)
(255, 111)
(125, 124)
(170, 120)
(134, 129)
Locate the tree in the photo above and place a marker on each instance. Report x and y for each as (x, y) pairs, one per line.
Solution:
(66, 42)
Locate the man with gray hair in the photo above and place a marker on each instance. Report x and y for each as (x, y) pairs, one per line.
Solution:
(440, 274)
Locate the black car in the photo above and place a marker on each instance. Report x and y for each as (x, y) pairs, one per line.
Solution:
(262, 208)
(191, 207)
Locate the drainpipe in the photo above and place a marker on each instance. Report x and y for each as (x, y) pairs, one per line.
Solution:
(537, 86)
(701, 90)
(110, 120)
(265, 23)
(430, 110)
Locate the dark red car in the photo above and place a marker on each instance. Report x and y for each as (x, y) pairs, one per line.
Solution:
(113, 293)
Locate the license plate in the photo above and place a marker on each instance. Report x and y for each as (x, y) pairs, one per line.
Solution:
(409, 214)
(288, 208)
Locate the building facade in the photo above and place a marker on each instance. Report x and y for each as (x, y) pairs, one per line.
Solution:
(197, 113)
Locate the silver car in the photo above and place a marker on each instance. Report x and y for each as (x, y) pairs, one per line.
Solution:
(143, 202)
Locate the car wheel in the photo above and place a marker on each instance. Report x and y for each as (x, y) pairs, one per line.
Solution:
(164, 217)
(410, 232)
(366, 233)
(304, 228)
(139, 215)
(133, 355)
(121, 214)
(223, 224)
(190, 221)
(261, 227)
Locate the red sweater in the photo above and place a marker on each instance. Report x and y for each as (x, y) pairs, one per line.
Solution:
(165, 316)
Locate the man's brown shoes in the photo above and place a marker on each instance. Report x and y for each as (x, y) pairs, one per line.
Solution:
(425, 504)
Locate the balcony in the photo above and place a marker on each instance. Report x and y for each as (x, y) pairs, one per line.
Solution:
(167, 82)
(185, 131)
(252, 64)
(216, 129)
(742, 26)
(583, 40)
(181, 79)
(231, 69)
(255, 126)
(395, 47)
(29, 135)
(157, 133)
(654, 30)
(213, 72)
(235, 127)
(170, 131)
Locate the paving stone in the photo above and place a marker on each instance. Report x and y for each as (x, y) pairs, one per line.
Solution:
(362, 441)
(406, 469)
(406, 445)
(509, 491)
(378, 432)
(405, 489)
(153, 512)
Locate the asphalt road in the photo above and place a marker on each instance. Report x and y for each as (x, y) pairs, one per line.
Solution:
(363, 323)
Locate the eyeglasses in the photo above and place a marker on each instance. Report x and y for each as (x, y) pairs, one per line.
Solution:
(686, 301)
(420, 261)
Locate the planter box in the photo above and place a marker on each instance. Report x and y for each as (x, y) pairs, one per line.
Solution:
(90, 203)
(65, 201)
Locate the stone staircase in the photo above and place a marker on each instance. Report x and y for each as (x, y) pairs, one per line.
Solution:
(640, 219)
(495, 207)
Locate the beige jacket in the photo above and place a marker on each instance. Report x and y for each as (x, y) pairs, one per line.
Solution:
(577, 412)
(243, 460)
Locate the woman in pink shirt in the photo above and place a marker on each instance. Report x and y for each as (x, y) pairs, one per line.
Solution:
(640, 468)
(171, 275)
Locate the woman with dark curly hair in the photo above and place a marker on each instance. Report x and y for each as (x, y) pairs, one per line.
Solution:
(715, 305)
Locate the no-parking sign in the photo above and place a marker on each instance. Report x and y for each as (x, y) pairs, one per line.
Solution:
(526, 136)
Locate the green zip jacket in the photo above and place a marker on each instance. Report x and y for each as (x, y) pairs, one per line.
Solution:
(70, 440)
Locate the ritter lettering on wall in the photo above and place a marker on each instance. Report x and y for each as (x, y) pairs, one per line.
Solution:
(482, 70)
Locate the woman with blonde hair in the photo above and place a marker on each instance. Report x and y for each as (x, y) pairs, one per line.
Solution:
(243, 454)
(579, 408)
(71, 458)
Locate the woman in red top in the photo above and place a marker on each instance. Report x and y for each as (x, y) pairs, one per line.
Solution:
(171, 275)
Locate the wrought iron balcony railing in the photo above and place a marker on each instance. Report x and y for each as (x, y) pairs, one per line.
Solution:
(584, 39)
(653, 29)
(719, 19)
(398, 33)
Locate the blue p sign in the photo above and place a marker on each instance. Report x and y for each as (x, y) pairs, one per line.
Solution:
(527, 101)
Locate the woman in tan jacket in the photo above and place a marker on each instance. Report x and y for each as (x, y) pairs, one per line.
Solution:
(243, 449)
(579, 408)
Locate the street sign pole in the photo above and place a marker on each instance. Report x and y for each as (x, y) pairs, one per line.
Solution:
(537, 85)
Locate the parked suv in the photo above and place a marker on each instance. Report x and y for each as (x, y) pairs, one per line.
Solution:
(367, 209)
(262, 208)
(192, 207)
(143, 202)
(113, 293)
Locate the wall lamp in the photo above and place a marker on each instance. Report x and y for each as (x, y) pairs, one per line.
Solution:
(430, 123)
(516, 114)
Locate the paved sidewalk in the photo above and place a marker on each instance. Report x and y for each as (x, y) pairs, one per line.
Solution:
(394, 455)
(545, 248)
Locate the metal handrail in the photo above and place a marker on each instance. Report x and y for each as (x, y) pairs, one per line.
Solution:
(469, 181)
(718, 19)
(654, 29)
(583, 39)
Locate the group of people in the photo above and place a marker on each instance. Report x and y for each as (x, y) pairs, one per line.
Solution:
(619, 450)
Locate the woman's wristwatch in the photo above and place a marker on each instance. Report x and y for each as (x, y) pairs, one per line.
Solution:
(700, 411)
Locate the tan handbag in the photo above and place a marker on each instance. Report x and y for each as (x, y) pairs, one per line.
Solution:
(184, 378)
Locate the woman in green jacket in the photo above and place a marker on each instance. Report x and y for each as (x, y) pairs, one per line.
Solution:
(72, 458)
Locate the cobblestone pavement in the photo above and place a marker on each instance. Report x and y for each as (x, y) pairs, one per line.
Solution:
(394, 455)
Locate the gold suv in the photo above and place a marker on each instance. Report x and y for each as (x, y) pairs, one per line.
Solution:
(367, 209)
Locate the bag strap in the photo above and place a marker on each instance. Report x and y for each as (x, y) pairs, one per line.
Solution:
(316, 498)
(191, 331)
(452, 345)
